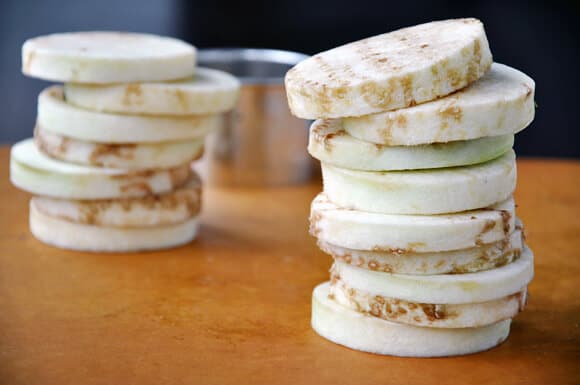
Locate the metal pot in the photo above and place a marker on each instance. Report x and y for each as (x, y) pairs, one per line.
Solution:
(260, 143)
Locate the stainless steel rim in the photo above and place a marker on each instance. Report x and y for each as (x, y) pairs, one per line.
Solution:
(228, 55)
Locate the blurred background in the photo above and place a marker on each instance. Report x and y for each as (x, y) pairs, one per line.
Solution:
(541, 38)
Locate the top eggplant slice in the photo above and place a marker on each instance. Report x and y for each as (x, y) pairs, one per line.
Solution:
(390, 71)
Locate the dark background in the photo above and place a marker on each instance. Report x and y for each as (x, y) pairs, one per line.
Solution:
(541, 38)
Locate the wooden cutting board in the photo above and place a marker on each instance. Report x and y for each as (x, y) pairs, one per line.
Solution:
(233, 307)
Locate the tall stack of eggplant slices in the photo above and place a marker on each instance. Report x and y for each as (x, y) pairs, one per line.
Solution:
(414, 132)
(110, 162)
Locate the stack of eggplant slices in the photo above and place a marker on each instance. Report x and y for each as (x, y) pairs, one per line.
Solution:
(110, 162)
(414, 133)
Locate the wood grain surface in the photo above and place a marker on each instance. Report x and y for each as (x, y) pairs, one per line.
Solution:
(234, 306)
